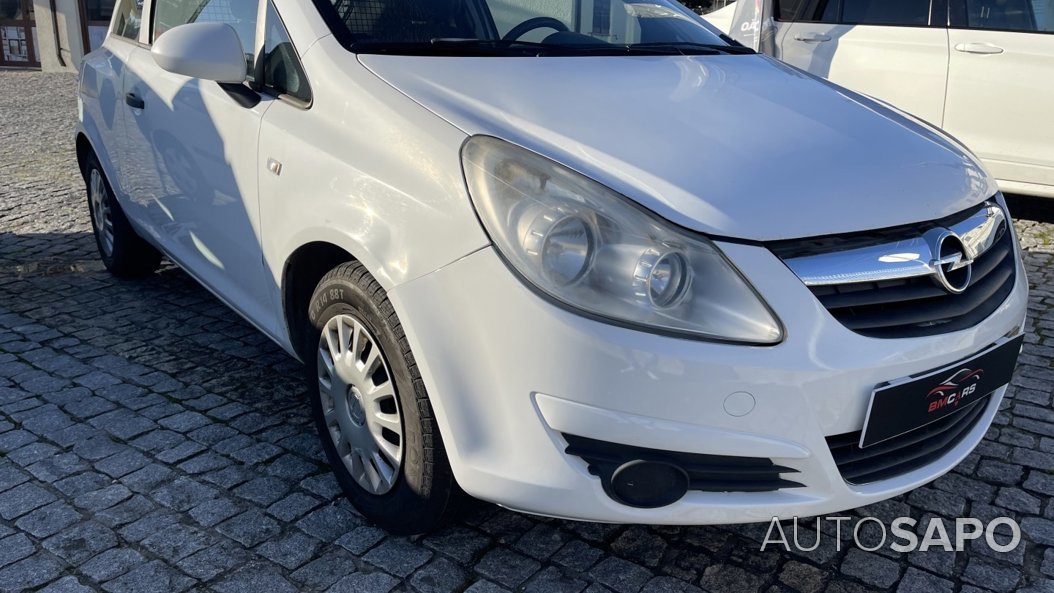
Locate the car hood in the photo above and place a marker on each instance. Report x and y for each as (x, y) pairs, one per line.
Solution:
(734, 146)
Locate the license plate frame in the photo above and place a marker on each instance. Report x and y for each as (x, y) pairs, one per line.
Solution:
(895, 409)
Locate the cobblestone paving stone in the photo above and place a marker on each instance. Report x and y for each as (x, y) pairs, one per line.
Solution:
(150, 440)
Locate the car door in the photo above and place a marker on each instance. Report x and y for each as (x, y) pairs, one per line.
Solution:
(103, 76)
(1001, 89)
(894, 50)
(196, 160)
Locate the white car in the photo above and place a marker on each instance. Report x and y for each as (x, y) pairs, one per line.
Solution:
(723, 17)
(981, 69)
(602, 265)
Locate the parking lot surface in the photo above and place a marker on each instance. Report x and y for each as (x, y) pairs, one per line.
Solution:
(152, 441)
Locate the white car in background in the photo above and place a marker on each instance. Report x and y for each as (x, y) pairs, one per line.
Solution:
(981, 69)
(722, 17)
(597, 264)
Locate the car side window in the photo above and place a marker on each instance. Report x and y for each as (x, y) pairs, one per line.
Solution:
(282, 72)
(1029, 16)
(790, 10)
(240, 14)
(831, 11)
(128, 19)
(808, 11)
(886, 12)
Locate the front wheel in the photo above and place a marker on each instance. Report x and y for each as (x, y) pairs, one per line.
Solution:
(371, 408)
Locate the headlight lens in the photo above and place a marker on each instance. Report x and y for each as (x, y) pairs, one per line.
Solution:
(566, 248)
(591, 249)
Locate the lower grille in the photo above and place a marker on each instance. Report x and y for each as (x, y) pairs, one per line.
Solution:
(904, 453)
(706, 473)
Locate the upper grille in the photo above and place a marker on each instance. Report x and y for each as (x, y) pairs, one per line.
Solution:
(904, 453)
(706, 473)
(915, 305)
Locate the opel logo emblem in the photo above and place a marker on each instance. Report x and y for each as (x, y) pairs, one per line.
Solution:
(952, 267)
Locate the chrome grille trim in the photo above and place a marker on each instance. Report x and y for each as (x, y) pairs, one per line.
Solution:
(898, 260)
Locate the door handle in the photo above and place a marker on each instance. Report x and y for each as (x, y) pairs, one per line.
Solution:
(134, 101)
(979, 48)
(812, 37)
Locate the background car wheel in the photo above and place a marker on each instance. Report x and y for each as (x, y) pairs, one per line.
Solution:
(371, 408)
(124, 252)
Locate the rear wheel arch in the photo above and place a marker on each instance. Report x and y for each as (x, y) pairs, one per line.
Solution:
(88, 148)
(123, 251)
(84, 151)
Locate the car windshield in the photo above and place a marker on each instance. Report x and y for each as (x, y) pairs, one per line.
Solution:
(523, 27)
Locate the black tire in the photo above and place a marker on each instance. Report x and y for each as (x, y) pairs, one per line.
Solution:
(425, 494)
(128, 256)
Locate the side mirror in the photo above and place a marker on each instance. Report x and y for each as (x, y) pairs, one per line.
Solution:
(210, 51)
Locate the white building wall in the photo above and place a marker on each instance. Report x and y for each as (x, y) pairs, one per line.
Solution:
(64, 53)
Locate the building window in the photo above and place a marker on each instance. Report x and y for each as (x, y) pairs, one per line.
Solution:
(99, 11)
(11, 10)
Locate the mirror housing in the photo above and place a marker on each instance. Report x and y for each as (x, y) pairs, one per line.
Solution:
(209, 51)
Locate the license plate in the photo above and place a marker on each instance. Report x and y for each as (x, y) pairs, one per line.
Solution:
(904, 406)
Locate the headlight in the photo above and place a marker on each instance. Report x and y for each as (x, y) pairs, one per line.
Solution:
(594, 251)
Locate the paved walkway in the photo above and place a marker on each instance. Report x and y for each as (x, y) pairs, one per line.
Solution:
(150, 440)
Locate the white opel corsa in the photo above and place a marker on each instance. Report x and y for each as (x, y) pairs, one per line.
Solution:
(586, 260)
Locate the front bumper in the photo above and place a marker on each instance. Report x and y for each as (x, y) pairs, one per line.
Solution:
(508, 372)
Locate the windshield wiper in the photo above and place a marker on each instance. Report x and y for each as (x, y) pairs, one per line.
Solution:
(661, 47)
(690, 48)
(449, 46)
(458, 46)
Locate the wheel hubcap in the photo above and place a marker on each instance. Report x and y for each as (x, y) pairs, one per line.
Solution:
(358, 413)
(359, 404)
(100, 204)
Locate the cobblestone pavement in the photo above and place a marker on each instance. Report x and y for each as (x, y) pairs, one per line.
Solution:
(152, 441)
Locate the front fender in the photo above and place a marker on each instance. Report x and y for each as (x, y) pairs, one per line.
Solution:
(365, 169)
